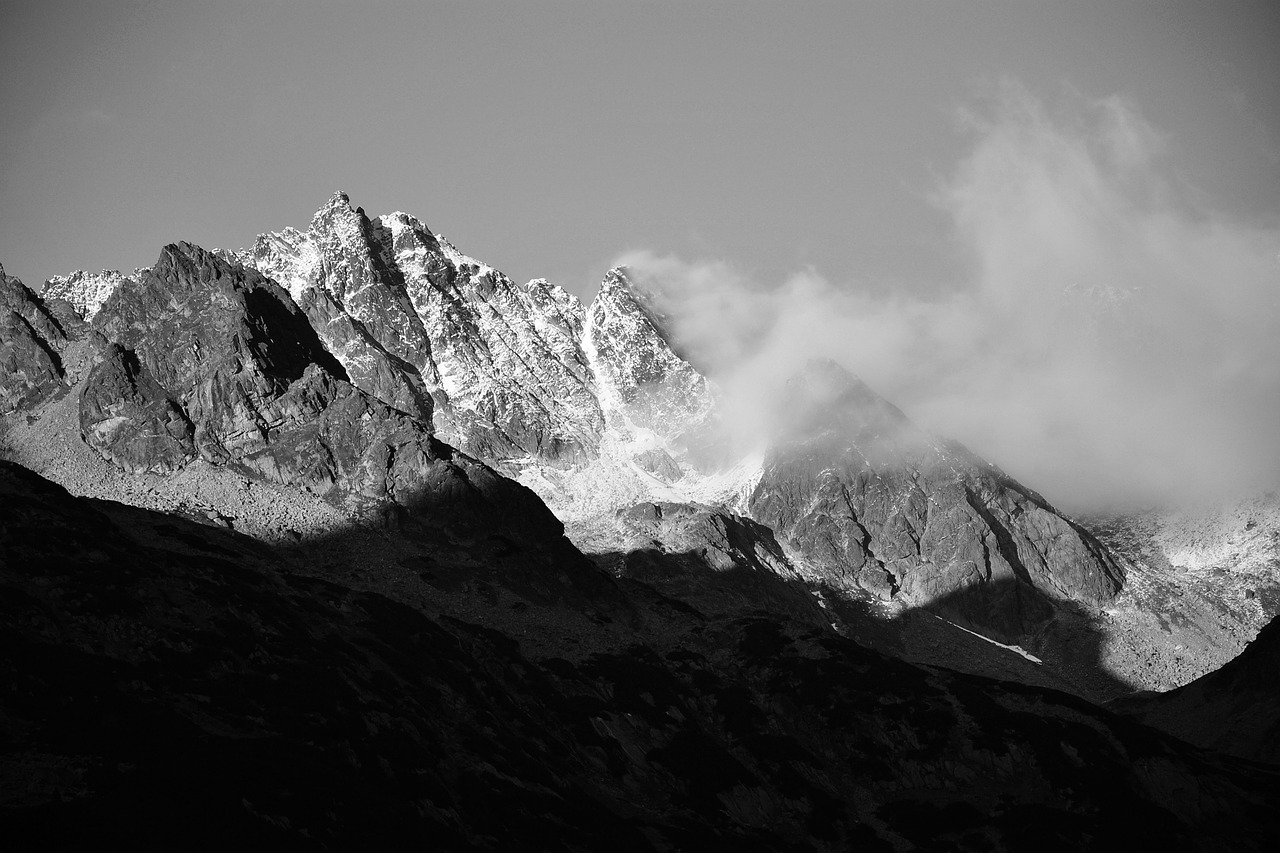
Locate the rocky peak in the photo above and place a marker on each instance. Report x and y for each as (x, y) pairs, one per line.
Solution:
(340, 234)
(338, 273)
(195, 319)
(411, 317)
(87, 291)
(643, 382)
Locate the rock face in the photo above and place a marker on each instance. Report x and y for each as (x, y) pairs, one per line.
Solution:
(33, 334)
(128, 417)
(872, 503)
(207, 358)
(357, 303)
(722, 541)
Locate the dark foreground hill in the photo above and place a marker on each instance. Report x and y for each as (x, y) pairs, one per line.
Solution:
(173, 684)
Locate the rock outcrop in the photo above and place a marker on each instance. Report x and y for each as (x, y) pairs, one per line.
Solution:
(33, 334)
(872, 504)
(720, 540)
(211, 359)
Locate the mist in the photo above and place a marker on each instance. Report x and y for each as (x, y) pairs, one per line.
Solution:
(1110, 338)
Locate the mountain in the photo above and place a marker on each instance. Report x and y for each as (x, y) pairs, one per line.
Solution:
(595, 409)
(204, 359)
(410, 317)
(874, 504)
(284, 561)
(594, 405)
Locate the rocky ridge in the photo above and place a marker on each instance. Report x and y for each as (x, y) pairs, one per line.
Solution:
(594, 409)
(87, 290)
(403, 309)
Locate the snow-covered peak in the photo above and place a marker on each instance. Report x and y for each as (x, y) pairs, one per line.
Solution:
(621, 294)
(338, 206)
(87, 291)
(616, 278)
(643, 382)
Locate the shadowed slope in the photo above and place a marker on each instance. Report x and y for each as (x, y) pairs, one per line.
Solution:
(171, 684)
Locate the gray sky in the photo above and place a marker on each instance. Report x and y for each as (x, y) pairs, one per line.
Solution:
(547, 138)
(923, 179)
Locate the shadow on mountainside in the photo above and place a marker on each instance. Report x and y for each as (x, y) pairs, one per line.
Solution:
(175, 683)
(947, 632)
(452, 670)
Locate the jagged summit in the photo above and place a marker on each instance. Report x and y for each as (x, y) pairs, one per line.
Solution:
(644, 381)
(88, 290)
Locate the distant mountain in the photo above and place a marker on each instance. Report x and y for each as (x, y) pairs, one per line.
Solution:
(873, 503)
(87, 290)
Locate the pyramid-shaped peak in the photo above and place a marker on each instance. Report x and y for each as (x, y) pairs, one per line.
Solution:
(827, 380)
(338, 200)
(337, 209)
(827, 372)
(618, 278)
(824, 393)
(620, 285)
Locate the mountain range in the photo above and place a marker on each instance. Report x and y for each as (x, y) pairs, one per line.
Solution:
(344, 452)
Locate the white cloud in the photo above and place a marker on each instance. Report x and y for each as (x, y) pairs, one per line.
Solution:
(1110, 340)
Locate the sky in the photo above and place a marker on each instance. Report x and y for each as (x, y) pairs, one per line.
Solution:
(908, 186)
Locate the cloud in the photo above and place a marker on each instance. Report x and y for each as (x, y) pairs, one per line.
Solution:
(1111, 340)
